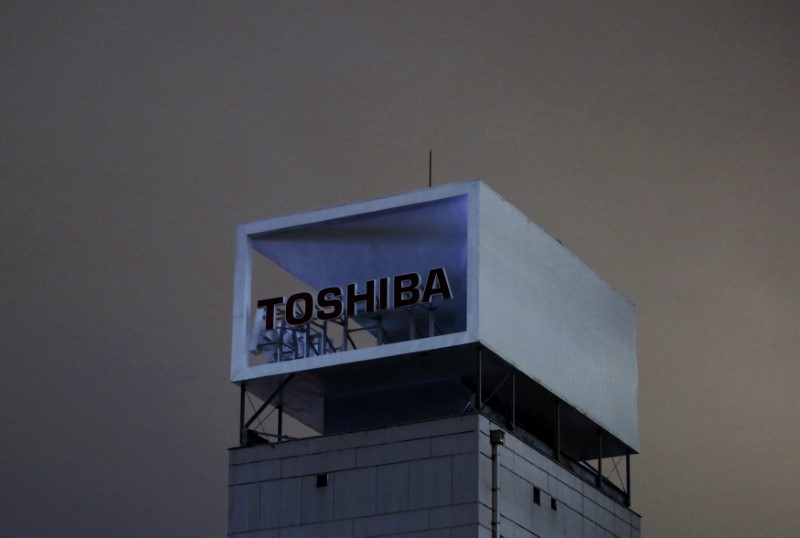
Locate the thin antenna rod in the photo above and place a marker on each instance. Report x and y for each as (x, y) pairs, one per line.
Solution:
(430, 169)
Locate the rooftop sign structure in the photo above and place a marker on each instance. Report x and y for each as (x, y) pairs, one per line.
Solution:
(406, 295)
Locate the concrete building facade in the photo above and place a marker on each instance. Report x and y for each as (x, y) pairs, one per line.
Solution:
(430, 479)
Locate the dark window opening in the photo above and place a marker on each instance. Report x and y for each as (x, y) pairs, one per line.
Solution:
(322, 480)
(553, 504)
(537, 496)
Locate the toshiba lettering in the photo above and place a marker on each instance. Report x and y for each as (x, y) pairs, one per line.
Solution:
(374, 295)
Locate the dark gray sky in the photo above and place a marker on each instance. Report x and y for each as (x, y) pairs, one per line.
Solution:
(657, 140)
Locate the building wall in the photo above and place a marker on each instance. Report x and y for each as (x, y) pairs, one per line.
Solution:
(581, 510)
(424, 480)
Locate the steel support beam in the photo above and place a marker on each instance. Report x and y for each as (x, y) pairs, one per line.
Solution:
(479, 403)
(280, 423)
(600, 459)
(628, 478)
(513, 400)
(242, 428)
(557, 433)
(268, 400)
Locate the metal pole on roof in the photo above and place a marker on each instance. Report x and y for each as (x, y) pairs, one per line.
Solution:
(430, 169)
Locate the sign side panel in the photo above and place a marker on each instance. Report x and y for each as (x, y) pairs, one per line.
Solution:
(545, 312)
(242, 281)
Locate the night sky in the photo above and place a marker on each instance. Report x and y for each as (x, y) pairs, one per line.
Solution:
(659, 141)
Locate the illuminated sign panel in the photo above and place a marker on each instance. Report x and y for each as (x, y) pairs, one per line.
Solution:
(426, 274)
